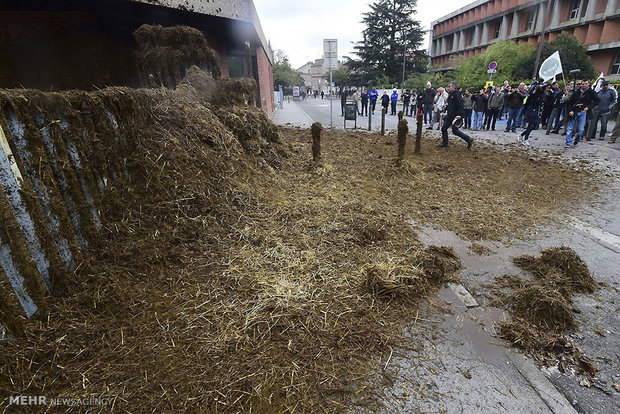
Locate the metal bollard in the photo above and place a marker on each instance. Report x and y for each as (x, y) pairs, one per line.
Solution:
(370, 121)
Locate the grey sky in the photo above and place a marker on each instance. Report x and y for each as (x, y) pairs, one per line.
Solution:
(299, 26)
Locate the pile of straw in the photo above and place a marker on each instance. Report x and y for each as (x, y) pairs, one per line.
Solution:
(223, 286)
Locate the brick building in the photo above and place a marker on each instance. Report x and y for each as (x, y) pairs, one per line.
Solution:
(471, 29)
(87, 44)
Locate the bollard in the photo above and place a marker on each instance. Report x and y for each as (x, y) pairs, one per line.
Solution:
(418, 135)
(370, 121)
(316, 141)
(402, 139)
(383, 121)
(400, 115)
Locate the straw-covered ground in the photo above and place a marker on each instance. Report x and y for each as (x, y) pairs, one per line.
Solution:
(237, 275)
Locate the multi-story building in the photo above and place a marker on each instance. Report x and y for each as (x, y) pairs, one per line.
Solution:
(471, 29)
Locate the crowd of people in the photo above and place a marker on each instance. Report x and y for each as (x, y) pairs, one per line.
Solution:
(575, 110)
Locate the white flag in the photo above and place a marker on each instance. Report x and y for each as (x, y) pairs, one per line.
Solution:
(550, 67)
(598, 84)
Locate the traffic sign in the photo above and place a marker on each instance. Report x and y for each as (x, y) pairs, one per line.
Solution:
(489, 83)
(493, 65)
(491, 71)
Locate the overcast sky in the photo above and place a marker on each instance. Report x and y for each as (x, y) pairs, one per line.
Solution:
(299, 26)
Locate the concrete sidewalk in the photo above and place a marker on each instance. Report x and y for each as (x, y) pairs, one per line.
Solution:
(291, 114)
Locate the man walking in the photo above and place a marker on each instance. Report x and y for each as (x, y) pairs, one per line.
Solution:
(607, 98)
(455, 113)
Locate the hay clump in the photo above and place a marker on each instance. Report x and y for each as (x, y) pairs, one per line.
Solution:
(200, 84)
(530, 338)
(544, 306)
(235, 91)
(165, 54)
(440, 263)
(561, 265)
(388, 282)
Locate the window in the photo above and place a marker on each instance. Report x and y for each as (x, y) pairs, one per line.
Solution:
(531, 16)
(615, 68)
(235, 66)
(574, 10)
(498, 27)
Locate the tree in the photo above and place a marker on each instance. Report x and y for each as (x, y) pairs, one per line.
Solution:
(283, 73)
(573, 53)
(514, 63)
(390, 33)
(340, 76)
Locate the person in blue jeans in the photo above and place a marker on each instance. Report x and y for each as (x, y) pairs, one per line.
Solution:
(480, 103)
(468, 104)
(515, 99)
(577, 107)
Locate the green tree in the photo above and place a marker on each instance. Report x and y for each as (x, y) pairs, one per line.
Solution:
(514, 62)
(390, 32)
(283, 73)
(574, 55)
(340, 76)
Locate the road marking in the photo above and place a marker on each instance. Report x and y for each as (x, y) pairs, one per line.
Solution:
(598, 233)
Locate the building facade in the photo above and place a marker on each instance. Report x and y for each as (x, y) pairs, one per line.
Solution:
(313, 72)
(471, 29)
(86, 44)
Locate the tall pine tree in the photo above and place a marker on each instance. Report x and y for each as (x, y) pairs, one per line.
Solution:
(390, 31)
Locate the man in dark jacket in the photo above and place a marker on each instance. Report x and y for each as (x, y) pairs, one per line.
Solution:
(385, 101)
(577, 107)
(343, 100)
(406, 100)
(557, 106)
(428, 98)
(364, 102)
(515, 103)
(455, 113)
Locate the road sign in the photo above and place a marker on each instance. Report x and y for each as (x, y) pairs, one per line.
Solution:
(493, 65)
(491, 71)
(489, 83)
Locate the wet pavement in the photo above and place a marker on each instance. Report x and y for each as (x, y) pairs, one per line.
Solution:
(456, 364)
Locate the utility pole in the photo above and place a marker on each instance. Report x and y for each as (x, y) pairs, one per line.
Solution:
(542, 37)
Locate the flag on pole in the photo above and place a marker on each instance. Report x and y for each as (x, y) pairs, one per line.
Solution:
(550, 67)
(598, 84)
